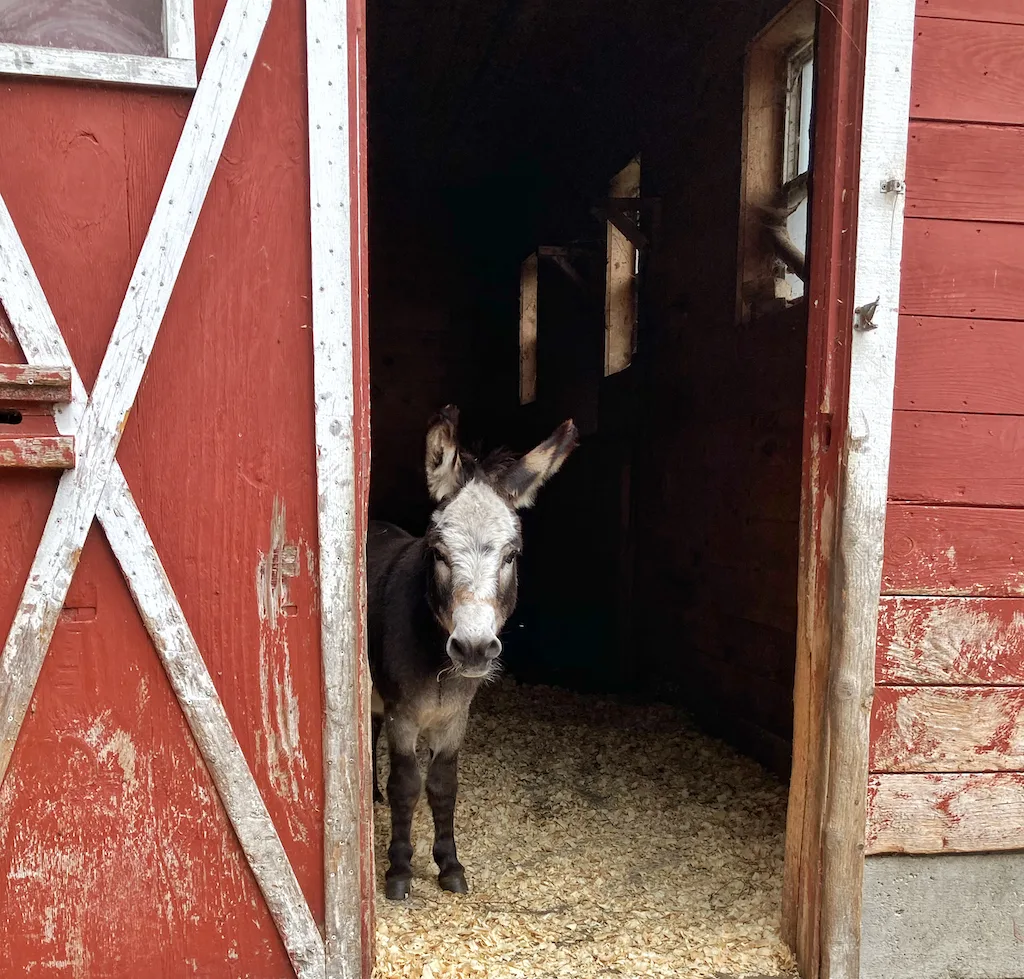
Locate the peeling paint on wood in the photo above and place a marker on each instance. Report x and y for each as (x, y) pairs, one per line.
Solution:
(945, 813)
(25, 382)
(950, 641)
(948, 729)
(279, 705)
(941, 550)
(131, 343)
(37, 452)
(163, 616)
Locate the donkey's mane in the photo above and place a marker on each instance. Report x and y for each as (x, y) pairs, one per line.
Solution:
(492, 466)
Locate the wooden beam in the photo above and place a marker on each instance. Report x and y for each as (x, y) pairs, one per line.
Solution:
(335, 60)
(25, 382)
(888, 54)
(37, 452)
(946, 813)
(528, 330)
(561, 258)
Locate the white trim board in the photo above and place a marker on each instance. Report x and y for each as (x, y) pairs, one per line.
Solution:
(177, 69)
(885, 122)
(331, 219)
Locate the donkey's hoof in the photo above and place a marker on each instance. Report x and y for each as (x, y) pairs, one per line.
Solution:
(455, 882)
(397, 888)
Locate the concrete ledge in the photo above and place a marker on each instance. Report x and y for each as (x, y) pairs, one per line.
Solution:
(948, 916)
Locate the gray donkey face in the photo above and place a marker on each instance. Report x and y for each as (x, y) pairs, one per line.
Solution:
(474, 538)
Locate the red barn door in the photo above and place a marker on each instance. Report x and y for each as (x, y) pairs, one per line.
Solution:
(181, 685)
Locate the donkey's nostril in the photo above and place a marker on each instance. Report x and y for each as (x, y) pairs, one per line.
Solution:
(493, 649)
(456, 650)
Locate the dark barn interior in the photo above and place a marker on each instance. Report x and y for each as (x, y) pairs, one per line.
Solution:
(662, 561)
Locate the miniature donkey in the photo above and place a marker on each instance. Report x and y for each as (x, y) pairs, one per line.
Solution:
(436, 606)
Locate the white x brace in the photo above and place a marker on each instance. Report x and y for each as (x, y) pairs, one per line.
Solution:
(96, 487)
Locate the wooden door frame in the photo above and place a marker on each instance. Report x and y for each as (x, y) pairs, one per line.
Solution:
(861, 124)
(336, 79)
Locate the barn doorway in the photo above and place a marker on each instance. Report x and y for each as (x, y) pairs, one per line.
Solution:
(600, 211)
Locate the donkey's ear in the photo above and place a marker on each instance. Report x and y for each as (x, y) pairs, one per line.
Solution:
(444, 465)
(534, 469)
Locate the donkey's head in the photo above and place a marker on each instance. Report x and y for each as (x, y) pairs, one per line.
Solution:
(474, 538)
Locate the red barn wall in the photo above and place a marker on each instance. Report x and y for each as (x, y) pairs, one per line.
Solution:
(116, 857)
(948, 721)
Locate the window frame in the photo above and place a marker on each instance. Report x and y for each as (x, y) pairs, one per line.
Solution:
(175, 69)
(769, 187)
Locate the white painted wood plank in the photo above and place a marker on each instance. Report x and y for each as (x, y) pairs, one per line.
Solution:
(42, 342)
(331, 214)
(103, 420)
(99, 66)
(180, 30)
(885, 121)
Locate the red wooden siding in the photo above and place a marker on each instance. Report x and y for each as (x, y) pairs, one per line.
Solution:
(116, 858)
(950, 667)
(960, 365)
(952, 641)
(995, 11)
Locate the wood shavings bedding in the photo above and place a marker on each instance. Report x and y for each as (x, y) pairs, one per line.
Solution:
(599, 839)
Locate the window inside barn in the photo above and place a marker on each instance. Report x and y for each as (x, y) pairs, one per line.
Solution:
(128, 41)
(623, 266)
(777, 153)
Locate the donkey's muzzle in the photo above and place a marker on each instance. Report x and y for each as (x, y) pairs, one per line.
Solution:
(473, 657)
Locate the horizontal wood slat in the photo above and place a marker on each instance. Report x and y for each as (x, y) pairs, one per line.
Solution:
(24, 382)
(935, 550)
(995, 11)
(948, 458)
(945, 813)
(951, 641)
(958, 268)
(966, 71)
(37, 452)
(947, 729)
(960, 365)
(967, 172)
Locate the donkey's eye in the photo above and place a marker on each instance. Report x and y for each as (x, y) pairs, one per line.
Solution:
(510, 558)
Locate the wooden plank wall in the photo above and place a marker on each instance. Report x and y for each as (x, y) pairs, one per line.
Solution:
(717, 470)
(948, 724)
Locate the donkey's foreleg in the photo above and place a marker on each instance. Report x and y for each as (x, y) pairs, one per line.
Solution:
(442, 789)
(377, 725)
(403, 793)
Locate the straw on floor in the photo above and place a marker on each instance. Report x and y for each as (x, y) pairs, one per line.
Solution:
(599, 839)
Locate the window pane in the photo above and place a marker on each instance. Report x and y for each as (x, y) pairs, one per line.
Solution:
(796, 225)
(116, 26)
(806, 98)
